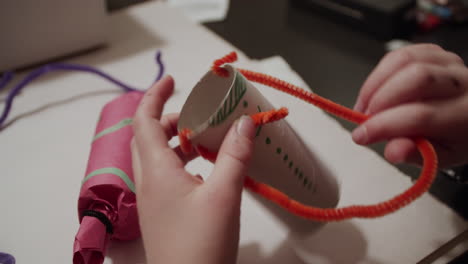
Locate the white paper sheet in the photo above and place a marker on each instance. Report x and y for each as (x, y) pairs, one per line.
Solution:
(202, 10)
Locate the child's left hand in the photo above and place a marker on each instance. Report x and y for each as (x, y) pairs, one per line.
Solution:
(183, 219)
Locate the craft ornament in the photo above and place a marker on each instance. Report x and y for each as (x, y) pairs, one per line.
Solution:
(280, 158)
(107, 202)
(188, 132)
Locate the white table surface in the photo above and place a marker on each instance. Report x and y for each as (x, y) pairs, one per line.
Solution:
(44, 151)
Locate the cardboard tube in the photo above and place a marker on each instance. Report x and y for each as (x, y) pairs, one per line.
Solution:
(107, 202)
(280, 159)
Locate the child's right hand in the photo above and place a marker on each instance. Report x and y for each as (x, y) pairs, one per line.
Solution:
(420, 90)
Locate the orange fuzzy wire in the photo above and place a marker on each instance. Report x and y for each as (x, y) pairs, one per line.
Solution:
(310, 212)
(185, 144)
(216, 68)
(269, 116)
(258, 119)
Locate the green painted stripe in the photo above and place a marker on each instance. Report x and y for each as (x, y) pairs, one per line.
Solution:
(233, 92)
(230, 102)
(236, 89)
(233, 99)
(225, 109)
(115, 171)
(259, 128)
(123, 123)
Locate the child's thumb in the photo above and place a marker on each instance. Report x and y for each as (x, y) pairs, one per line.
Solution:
(234, 157)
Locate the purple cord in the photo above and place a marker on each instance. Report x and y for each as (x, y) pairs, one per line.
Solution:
(62, 67)
(5, 79)
(160, 65)
(6, 258)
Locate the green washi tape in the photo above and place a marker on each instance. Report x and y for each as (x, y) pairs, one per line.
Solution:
(115, 171)
(123, 123)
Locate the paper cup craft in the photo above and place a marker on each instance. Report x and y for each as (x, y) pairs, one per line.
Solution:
(107, 202)
(224, 94)
(280, 158)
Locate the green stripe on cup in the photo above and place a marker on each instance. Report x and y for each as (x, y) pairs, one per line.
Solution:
(115, 171)
(123, 123)
(230, 103)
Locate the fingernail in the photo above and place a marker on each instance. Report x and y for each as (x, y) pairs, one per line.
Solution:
(367, 111)
(359, 135)
(398, 160)
(358, 106)
(163, 79)
(246, 127)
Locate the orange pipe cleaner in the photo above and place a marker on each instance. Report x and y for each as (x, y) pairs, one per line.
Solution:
(260, 118)
(185, 144)
(328, 214)
(269, 116)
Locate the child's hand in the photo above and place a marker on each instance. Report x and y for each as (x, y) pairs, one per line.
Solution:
(182, 218)
(419, 90)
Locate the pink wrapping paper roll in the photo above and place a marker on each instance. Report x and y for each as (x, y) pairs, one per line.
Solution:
(107, 202)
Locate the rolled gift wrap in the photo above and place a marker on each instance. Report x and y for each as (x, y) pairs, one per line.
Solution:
(107, 202)
(280, 157)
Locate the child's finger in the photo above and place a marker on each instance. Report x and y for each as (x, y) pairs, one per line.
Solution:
(152, 104)
(233, 158)
(416, 82)
(395, 61)
(402, 150)
(185, 157)
(409, 120)
(147, 128)
(150, 135)
(169, 124)
(136, 164)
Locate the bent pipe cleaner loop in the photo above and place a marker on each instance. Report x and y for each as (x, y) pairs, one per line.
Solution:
(259, 119)
(63, 67)
(426, 149)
